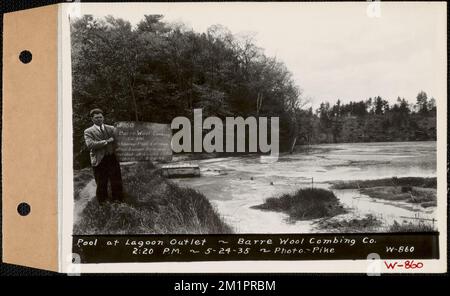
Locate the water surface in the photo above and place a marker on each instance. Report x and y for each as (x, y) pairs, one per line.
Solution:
(235, 184)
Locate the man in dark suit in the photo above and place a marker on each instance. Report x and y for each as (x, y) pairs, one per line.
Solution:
(101, 141)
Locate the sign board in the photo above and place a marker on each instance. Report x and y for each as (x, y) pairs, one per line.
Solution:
(143, 141)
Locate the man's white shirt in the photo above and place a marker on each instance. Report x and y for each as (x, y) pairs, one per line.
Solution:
(100, 128)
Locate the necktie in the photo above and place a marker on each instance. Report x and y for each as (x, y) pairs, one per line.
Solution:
(102, 129)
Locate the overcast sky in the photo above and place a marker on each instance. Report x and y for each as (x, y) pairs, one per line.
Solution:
(334, 50)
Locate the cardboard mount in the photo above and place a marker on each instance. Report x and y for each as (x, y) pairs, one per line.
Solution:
(29, 138)
(30, 150)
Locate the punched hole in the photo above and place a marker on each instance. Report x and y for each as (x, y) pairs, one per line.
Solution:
(23, 209)
(25, 56)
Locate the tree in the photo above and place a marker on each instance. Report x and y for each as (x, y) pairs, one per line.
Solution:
(106, 56)
(422, 102)
(403, 106)
(380, 105)
(432, 105)
(157, 71)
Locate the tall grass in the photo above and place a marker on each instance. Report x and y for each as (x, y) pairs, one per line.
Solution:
(153, 204)
(411, 227)
(369, 223)
(80, 179)
(305, 204)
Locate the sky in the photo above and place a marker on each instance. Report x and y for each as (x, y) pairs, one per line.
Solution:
(347, 51)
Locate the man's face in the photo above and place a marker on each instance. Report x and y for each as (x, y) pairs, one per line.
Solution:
(97, 119)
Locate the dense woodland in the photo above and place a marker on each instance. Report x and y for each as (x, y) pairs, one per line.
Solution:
(156, 71)
(371, 120)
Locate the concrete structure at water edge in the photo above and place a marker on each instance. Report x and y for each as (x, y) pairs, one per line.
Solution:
(180, 170)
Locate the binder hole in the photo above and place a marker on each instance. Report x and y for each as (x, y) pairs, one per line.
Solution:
(23, 209)
(25, 56)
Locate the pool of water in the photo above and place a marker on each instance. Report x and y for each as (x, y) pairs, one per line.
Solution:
(235, 184)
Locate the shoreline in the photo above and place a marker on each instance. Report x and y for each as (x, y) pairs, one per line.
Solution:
(190, 156)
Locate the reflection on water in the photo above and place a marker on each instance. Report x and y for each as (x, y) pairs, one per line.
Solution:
(235, 184)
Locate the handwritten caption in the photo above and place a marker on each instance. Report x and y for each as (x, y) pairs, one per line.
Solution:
(250, 247)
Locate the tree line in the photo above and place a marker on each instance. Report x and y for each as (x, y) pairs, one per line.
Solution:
(156, 71)
(369, 120)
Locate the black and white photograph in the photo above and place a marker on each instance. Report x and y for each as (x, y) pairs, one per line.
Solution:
(258, 119)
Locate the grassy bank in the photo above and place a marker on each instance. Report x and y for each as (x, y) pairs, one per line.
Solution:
(411, 189)
(424, 196)
(152, 204)
(80, 179)
(305, 204)
(369, 223)
(403, 182)
(412, 227)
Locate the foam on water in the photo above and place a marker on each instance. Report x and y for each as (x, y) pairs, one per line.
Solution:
(248, 181)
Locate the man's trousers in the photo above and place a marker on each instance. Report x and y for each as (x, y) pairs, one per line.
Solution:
(108, 170)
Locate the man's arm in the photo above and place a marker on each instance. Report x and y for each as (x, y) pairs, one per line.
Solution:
(91, 143)
(113, 136)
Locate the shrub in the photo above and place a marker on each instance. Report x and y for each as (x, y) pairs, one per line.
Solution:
(305, 204)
